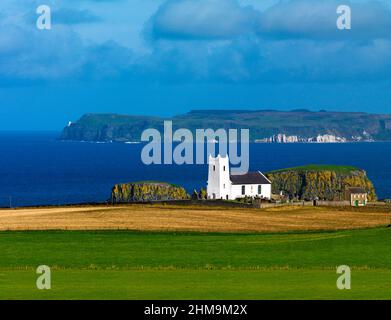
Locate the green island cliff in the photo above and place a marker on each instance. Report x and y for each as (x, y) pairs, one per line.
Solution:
(323, 182)
(267, 126)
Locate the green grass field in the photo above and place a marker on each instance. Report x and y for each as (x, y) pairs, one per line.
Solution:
(135, 265)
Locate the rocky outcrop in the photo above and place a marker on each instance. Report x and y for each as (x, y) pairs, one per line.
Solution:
(147, 191)
(329, 138)
(321, 138)
(320, 182)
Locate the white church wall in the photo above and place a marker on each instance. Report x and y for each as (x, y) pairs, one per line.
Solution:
(266, 191)
(251, 190)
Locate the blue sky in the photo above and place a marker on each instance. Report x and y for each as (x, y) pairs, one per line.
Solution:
(164, 57)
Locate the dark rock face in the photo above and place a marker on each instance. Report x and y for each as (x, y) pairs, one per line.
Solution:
(320, 184)
(147, 191)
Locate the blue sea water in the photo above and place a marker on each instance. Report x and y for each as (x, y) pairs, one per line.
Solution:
(37, 169)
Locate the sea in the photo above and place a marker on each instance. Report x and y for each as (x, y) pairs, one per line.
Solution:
(36, 168)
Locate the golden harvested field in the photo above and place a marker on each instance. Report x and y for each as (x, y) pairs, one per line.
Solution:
(186, 218)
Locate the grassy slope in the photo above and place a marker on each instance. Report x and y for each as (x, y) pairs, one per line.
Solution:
(316, 167)
(185, 265)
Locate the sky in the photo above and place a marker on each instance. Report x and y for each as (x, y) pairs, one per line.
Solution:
(166, 57)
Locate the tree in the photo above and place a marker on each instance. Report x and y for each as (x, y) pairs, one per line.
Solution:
(202, 194)
(195, 195)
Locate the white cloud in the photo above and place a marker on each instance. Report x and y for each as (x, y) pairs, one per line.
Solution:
(317, 20)
(202, 19)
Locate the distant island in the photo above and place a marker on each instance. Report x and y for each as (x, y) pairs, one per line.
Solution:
(266, 126)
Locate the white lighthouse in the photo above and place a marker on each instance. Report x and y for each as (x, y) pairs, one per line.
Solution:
(223, 185)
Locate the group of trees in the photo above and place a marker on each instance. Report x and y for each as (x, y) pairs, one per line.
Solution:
(199, 195)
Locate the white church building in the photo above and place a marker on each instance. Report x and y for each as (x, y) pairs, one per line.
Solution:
(223, 185)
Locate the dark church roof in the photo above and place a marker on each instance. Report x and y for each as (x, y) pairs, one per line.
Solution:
(249, 178)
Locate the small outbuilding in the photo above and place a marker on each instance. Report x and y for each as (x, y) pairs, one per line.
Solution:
(358, 197)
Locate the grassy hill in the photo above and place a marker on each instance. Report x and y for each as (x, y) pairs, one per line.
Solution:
(263, 124)
(319, 167)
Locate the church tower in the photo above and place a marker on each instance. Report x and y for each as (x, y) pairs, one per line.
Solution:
(219, 183)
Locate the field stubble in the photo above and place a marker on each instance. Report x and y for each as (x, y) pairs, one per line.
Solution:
(193, 218)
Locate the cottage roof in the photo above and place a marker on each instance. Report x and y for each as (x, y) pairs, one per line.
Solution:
(356, 190)
(249, 178)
